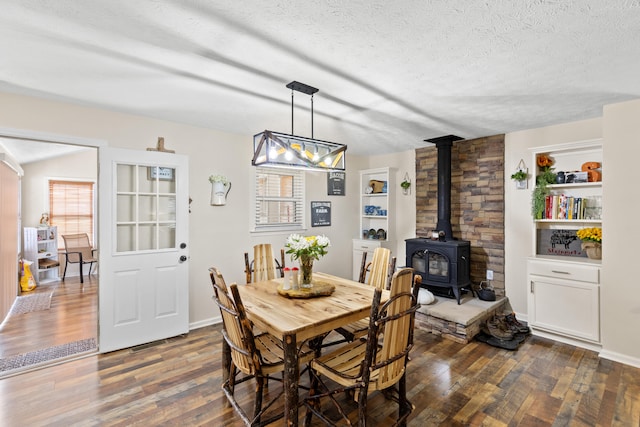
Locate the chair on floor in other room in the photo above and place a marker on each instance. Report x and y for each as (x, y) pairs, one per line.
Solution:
(78, 250)
(252, 356)
(264, 265)
(364, 366)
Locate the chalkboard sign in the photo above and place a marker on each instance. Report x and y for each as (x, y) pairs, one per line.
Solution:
(335, 183)
(320, 214)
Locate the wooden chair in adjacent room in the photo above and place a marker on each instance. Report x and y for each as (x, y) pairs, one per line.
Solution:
(78, 250)
(264, 265)
(365, 365)
(380, 269)
(252, 356)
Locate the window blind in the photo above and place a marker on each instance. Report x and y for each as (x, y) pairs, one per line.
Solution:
(71, 208)
(279, 199)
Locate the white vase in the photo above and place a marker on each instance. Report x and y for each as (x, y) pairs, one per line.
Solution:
(219, 193)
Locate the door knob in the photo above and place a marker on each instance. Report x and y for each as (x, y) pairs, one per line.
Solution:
(183, 258)
(183, 245)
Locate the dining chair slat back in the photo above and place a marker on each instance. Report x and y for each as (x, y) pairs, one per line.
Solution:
(264, 265)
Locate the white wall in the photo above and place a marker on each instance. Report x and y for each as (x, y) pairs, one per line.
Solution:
(518, 222)
(620, 311)
(219, 235)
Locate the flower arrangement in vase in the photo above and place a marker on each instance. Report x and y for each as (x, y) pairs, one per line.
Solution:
(591, 238)
(306, 249)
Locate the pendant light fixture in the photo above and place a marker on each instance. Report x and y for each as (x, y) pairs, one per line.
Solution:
(281, 150)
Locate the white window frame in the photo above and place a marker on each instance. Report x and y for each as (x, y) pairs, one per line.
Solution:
(299, 197)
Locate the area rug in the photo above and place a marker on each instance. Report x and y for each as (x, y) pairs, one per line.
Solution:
(47, 354)
(30, 303)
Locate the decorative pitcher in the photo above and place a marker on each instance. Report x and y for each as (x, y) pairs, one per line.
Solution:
(219, 193)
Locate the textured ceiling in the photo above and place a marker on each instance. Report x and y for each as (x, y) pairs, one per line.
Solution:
(390, 73)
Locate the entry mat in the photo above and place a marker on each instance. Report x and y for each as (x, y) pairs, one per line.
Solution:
(30, 303)
(47, 354)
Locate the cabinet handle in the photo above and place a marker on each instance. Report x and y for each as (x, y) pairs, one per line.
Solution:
(560, 272)
(531, 287)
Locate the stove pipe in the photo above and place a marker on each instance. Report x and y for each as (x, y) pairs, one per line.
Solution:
(443, 144)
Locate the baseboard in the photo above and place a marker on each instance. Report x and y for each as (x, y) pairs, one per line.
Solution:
(622, 358)
(566, 340)
(206, 322)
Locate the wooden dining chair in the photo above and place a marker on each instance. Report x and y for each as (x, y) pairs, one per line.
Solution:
(380, 272)
(365, 365)
(253, 356)
(264, 265)
(78, 250)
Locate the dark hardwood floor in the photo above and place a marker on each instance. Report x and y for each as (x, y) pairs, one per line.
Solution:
(178, 382)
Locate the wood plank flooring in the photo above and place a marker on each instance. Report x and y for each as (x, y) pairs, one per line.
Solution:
(178, 382)
(72, 317)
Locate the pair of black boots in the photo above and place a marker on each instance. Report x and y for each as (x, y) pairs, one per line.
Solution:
(503, 331)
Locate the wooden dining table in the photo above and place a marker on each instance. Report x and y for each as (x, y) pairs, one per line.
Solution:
(298, 320)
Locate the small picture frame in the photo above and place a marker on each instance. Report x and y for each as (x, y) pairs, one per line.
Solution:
(162, 173)
(320, 214)
(336, 183)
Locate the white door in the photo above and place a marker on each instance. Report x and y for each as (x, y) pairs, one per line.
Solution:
(144, 283)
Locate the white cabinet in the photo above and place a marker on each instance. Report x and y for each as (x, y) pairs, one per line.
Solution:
(41, 248)
(565, 299)
(376, 211)
(375, 206)
(564, 285)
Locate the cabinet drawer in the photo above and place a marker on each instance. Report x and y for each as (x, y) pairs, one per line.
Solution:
(365, 245)
(582, 273)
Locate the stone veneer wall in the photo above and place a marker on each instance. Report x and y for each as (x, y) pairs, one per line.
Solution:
(477, 201)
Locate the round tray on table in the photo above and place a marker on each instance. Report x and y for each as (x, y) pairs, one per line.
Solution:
(318, 289)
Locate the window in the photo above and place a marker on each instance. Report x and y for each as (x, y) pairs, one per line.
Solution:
(71, 208)
(279, 199)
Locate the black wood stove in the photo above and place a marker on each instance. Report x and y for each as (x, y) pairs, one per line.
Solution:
(443, 262)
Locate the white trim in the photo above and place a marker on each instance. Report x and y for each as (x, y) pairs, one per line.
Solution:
(8, 160)
(621, 358)
(33, 135)
(206, 322)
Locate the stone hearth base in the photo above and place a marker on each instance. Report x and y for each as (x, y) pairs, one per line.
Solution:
(459, 322)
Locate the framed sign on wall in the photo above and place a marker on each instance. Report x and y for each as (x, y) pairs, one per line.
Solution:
(320, 214)
(336, 183)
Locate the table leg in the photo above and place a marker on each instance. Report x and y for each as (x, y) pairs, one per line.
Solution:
(291, 378)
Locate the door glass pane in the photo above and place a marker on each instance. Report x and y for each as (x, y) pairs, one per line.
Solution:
(167, 208)
(147, 208)
(167, 236)
(126, 208)
(146, 179)
(147, 237)
(438, 265)
(125, 241)
(167, 182)
(126, 178)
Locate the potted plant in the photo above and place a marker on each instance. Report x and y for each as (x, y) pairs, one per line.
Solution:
(541, 191)
(405, 184)
(519, 176)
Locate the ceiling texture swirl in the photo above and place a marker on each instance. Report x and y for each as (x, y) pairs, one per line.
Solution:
(390, 73)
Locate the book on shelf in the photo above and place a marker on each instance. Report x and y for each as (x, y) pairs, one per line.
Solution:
(564, 207)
